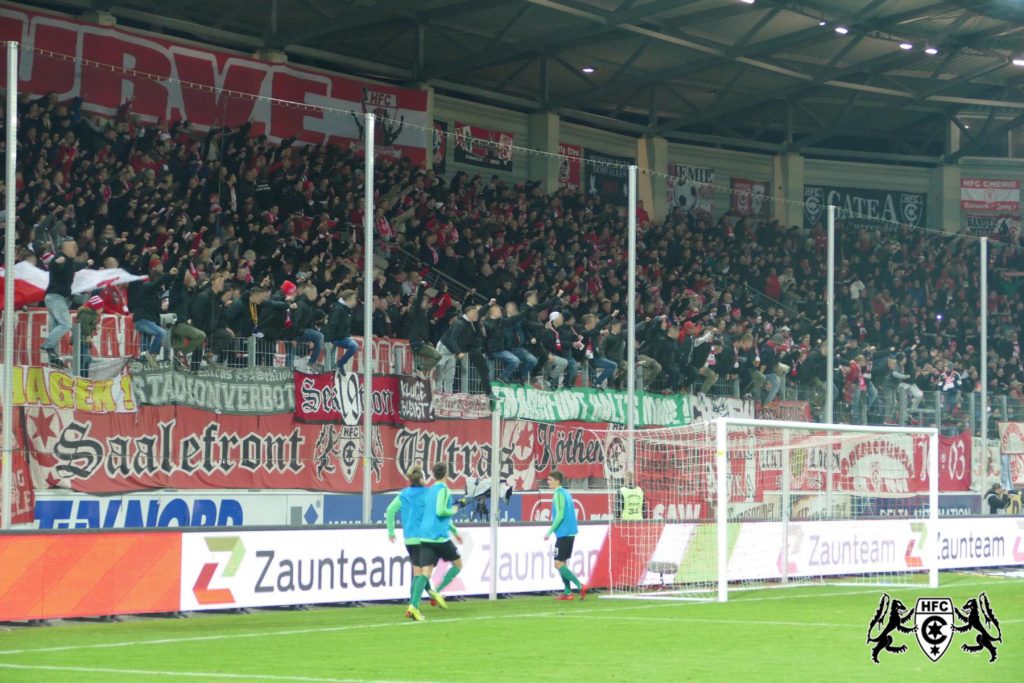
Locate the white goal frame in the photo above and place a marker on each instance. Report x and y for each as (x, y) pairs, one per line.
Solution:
(721, 520)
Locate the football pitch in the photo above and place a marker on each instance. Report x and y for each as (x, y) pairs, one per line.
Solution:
(810, 633)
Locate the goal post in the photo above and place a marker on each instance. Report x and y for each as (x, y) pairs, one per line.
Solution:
(740, 504)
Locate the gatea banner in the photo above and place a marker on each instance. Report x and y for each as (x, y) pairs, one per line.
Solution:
(34, 386)
(230, 391)
(860, 207)
(326, 398)
(590, 405)
(177, 80)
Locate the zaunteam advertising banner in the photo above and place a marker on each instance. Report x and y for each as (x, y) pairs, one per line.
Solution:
(589, 405)
(268, 568)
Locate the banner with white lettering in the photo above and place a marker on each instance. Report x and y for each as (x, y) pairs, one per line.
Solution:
(692, 189)
(990, 194)
(326, 397)
(483, 147)
(865, 208)
(1001, 226)
(159, 78)
(590, 405)
(569, 157)
(231, 391)
(607, 176)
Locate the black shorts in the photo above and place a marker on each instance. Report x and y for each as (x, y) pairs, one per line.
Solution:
(414, 554)
(563, 548)
(430, 553)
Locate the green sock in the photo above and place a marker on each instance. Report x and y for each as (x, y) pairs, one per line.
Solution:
(417, 590)
(453, 571)
(568, 586)
(568, 576)
(426, 586)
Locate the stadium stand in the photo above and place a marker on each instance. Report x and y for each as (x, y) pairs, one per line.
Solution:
(276, 224)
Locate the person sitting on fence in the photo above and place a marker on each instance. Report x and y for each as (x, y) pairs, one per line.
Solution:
(207, 314)
(339, 327)
(58, 296)
(302, 332)
(516, 340)
(147, 301)
(590, 334)
(558, 349)
(243, 318)
(417, 329)
(464, 338)
(186, 339)
(496, 327)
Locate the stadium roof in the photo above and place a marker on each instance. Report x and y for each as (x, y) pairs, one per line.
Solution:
(767, 74)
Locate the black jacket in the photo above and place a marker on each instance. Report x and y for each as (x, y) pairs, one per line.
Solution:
(239, 318)
(144, 301)
(207, 310)
(181, 299)
(497, 334)
(462, 336)
(339, 322)
(302, 316)
(273, 315)
(62, 275)
(417, 328)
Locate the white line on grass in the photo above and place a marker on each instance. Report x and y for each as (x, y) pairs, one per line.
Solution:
(205, 675)
(489, 617)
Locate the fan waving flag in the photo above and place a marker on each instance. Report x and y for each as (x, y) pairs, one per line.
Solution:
(30, 282)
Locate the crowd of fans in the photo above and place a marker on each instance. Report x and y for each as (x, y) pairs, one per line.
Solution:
(241, 237)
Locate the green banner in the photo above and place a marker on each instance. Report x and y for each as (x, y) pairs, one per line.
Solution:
(591, 405)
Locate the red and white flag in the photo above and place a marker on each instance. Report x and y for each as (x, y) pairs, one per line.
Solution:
(30, 283)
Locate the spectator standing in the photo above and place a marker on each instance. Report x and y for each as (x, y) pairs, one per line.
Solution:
(185, 338)
(57, 299)
(147, 302)
(88, 320)
(339, 327)
(303, 332)
(207, 315)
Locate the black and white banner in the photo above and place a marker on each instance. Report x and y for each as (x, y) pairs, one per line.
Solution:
(692, 189)
(607, 176)
(866, 208)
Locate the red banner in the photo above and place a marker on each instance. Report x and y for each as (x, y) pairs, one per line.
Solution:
(172, 80)
(483, 147)
(750, 198)
(569, 166)
(326, 398)
(789, 411)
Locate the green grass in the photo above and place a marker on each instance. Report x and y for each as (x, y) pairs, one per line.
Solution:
(798, 634)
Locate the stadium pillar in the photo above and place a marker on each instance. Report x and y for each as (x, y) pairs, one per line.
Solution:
(544, 133)
(99, 17)
(944, 198)
(7, 457)
(788, 189)
(652, 155)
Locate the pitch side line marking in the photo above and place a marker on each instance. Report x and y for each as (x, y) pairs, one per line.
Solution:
(354, 627)
(206, 675)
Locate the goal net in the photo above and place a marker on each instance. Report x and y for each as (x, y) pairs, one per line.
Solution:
(738, 504)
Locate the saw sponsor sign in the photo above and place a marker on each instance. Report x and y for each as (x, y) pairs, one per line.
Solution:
(990, 194)
(172, 80)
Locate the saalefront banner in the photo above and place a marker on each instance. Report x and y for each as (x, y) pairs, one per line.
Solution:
(591, 405)
(173, 80)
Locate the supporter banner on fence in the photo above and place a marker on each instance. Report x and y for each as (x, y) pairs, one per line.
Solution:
(114, 337)
(590, 405)
(607, 176)
(440, 163)
(864, 207)
(30, 282)
(707, 407)
(38, 386)
(22, 493)
(790, 411)
(1001, 226)
(88, 575)
(569, 166)
(173, 80)
(989, 194)
(326, 398)
(1011, 438)
(692, 189)
(483, 147)
(232, 391)
(750, 198)
(222, 570)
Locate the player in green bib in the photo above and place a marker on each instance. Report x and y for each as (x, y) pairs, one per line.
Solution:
(409, 502)
(435, 542)
(564, 527)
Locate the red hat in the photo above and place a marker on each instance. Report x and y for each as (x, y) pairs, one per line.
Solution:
(95, 303)
(155, 261)
(288, 288)
(691, 328)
